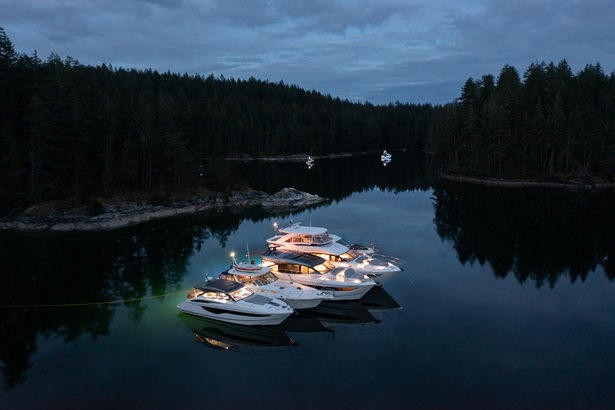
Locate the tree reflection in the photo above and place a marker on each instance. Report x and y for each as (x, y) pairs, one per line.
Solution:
(84, 269)
(337, 179)
(536, 234)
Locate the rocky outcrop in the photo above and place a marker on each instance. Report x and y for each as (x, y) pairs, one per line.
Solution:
(118, 214)
(290, 198)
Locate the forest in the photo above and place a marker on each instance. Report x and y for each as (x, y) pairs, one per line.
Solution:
(70, 131)
(553, 124)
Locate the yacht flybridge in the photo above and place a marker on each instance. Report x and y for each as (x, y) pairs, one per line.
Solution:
(262, 281)
(318, 242)
(234, 303)
(311, 270)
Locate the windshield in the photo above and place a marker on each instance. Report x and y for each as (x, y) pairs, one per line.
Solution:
(240, 294)
(324, 267)
(317, 238)
(343, 241)
(261, 280)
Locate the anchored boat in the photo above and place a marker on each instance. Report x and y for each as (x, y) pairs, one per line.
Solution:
(233, 302)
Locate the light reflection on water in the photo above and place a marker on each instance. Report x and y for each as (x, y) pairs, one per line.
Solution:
(465, 336)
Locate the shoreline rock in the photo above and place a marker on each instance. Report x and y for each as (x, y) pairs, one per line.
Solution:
(117, 216)
(293, 158)
(520, 183)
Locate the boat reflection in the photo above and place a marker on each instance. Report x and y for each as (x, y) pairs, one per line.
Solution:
(350, 312)
(307, 326)
(248, 339)
(379, 303)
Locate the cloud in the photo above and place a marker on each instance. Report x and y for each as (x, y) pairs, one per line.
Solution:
(381, 51)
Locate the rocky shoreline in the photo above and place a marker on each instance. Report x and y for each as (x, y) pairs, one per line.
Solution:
(121, 212)
(292, 158)
(520, 183)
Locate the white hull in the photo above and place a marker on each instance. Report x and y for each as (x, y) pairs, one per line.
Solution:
(359, 289)
(299, 302)
(303, 304)
(229, 314)
(383, 278)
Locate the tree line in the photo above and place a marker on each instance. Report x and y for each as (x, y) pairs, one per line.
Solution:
(551, 124)
(69, 130)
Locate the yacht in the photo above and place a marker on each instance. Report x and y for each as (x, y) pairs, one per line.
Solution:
(233, 302)
(262, 281)
(311, 270)
(309, 162)
(318, 241)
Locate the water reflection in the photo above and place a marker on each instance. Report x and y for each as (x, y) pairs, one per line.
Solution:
(45, 271)
(337, 178)
(537, 235)
(228, 335)
(324, 319)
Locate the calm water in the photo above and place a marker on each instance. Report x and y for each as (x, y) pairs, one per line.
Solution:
(507, 301)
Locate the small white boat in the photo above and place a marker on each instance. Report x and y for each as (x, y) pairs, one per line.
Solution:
(262, 281)
(318, 241)
(233, 302)
(385, 156)
(311, 270)
(310, 162)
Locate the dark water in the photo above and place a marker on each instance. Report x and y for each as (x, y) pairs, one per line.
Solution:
(508, 302)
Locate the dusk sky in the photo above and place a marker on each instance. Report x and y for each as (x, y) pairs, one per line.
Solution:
(361, 50)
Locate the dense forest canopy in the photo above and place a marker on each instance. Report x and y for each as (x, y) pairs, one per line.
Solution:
(551, 124)
(68, 130)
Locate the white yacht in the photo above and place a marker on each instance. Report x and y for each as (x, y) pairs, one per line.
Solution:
(311, 270)
(233, 302)
(310, 162)
(262, 281)
(354, 247)
(319, 242)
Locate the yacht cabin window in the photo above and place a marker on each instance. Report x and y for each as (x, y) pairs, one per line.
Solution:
(324, 267)
(216, 295)
(240, 294)
(194, 293)
(318, 239)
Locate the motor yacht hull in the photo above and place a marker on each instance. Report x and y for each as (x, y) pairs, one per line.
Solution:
(233, 314)
(295, 303)
(382, 278)
(340, 290)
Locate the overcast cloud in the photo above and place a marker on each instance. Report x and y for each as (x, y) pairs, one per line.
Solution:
(361, 50)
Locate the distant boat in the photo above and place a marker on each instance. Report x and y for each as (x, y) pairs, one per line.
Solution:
(310, 162)
(385, 158)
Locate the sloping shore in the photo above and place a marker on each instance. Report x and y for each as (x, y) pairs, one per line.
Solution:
(521, 183)
(118, 213)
